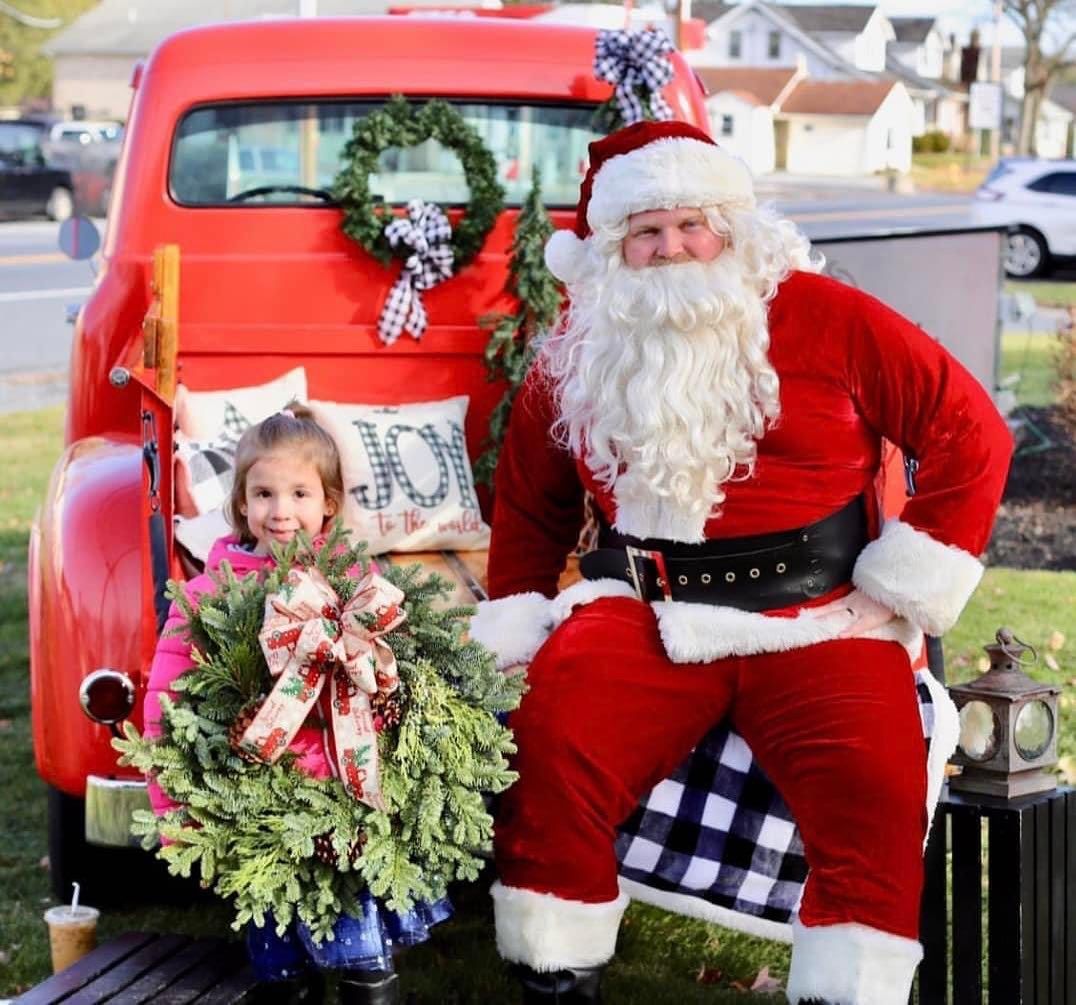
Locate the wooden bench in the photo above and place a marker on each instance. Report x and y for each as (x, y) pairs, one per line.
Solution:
(149, 967)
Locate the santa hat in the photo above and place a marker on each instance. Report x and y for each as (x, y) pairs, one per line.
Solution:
(645, 166)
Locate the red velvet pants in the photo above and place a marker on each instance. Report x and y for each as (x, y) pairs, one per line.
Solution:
(835, 726)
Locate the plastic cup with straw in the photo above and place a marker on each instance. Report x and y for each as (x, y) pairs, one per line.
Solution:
(72, 931)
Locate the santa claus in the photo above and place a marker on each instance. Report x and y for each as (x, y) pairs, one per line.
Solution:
(724, 404)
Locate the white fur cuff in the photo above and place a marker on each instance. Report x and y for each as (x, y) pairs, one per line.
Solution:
(851, 965)
(917, 577)
(546, 933)
(513, 628)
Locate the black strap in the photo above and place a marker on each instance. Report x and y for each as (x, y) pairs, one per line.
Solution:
(757, 573)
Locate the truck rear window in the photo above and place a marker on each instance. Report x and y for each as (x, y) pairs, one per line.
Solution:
(288, 153)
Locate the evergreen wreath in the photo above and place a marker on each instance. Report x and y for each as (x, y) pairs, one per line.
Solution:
(399, 124)
(510, 349)
(274, 839)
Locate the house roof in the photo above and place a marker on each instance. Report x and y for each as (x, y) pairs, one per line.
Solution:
(763, 84)
(829, 17)
(134, 27)
(710, 10)
(912, 30)
(837, 97)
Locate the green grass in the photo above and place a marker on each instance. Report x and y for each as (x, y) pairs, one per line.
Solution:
(663, 959)
(1032, 358)
(948, 172)
(1046, 292)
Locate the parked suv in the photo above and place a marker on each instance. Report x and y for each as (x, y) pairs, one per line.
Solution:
(1041, 198)
(30, 183)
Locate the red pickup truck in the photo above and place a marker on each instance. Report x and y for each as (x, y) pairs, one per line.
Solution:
(234, 138)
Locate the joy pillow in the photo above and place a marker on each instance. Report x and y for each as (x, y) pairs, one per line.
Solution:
(407, 478)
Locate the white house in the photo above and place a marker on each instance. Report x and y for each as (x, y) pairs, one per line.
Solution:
(919, 46)
(845, 128)
(761, 34)
(742, 102)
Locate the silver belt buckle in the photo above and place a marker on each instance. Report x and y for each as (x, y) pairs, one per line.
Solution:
(636, 580)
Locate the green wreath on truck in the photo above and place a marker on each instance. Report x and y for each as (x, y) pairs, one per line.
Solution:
(400, 124)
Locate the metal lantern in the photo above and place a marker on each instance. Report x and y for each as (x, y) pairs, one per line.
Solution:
(1008, 726)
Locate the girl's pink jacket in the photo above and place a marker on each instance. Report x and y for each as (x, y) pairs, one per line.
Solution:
(173, 657)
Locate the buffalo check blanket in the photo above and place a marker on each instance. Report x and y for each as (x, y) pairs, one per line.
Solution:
(715, 840)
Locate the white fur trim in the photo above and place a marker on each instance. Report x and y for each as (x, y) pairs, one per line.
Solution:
(513, 628)
(545, 932)
(667, 174)
(586, 591)
(851, 965)
(700, 633)
(943, 741)
(915, 575)
(565, 255)
(696, 907)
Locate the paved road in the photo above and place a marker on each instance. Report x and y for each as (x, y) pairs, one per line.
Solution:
(36, 282)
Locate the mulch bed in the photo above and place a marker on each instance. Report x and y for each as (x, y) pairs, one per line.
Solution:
(1036, 525)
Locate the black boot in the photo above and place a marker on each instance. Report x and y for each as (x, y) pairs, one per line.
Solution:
(576, 986)
(307, 989)
(369, 987)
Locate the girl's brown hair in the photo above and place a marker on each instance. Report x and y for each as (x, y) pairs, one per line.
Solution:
(293, 429)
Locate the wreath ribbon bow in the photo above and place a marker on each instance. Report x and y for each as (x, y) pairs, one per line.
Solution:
(634, 60)
(426, 231)
(310, 639)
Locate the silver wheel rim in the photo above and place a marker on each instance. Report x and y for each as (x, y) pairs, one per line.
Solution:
(1022, 256)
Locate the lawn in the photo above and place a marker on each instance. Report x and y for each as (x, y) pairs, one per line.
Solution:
(1030, 357)
(949, 172)
(663, 960)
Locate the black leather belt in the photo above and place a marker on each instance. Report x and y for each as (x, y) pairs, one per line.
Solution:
(757, 573)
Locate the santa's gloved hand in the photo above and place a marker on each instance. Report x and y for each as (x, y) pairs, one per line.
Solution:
(855, 612)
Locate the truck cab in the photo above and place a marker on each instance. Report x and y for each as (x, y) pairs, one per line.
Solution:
(233, 141)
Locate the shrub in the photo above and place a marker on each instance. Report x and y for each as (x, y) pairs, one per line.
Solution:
(933, 142)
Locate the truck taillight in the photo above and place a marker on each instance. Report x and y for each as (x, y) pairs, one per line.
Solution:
(107, 696)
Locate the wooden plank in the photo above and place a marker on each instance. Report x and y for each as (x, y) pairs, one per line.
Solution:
(1042, 904)
(152, 986)
(1004, 879)
(58, 987)
(966, 824)
(1027, 906)
(168, 326)
(129, 970)
(1056, 880)
(221, 964)
(1069, 943)
(235, 988)
(933, 977)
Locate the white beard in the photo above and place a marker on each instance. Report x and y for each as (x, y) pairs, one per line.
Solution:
(664, 387)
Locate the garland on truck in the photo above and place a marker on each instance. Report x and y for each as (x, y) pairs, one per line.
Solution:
(277, 841)
(511, 343)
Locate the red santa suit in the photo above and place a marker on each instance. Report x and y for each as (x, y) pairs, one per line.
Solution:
(620, 690)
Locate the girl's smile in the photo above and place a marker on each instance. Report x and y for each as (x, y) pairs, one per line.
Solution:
(284, 495)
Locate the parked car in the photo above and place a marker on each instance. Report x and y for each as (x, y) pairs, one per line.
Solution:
(30, 183)
(233, 141)
(85, 132)
(1040, 196)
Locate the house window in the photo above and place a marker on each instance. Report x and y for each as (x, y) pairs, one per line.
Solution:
(775, 45)
(735, 44)
(726, 125)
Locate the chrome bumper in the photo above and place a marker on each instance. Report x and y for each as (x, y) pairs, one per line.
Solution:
(110, 805)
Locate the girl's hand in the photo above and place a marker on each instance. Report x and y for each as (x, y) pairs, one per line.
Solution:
(856, 612)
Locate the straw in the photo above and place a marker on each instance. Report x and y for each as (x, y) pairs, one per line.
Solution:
(74, 898)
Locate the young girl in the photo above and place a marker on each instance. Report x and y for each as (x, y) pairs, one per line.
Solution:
(287, 479)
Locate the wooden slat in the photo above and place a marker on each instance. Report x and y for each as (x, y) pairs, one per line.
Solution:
(228, 958)
(1042, 904)
(60, 986)
(967, 905)
(1004, 883)
(151, 987)
(168, 326)
(235, 988)
(1026, 850)
(1068, 944)
(933, 979)
(129, 970)
(1057, 966)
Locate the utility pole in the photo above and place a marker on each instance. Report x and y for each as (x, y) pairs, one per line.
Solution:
(995, 76)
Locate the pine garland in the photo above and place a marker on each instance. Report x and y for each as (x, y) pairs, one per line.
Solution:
(510, 351)
(398, 124)
(260, 834)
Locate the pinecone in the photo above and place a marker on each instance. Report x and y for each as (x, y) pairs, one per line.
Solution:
(389, 707)
(239, 727)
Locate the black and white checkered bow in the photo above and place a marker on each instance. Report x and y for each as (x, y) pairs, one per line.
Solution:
(634, 60)
(426, 231)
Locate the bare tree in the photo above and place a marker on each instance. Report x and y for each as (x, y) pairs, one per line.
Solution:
(1049, 30)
